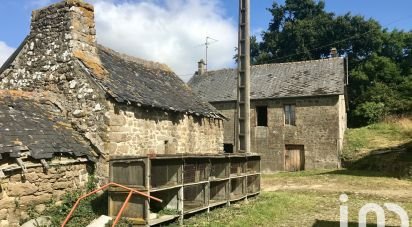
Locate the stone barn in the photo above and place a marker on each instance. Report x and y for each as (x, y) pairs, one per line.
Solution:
(110, 103)
(298, 111)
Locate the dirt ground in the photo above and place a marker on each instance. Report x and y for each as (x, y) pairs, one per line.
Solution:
(340, 181)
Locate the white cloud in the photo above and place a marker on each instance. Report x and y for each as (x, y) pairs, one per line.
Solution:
(258, 33)
(168, 31)
(5, 52)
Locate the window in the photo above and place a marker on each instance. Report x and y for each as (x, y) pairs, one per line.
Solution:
(290, 115)
(228, 147)
(262, 116)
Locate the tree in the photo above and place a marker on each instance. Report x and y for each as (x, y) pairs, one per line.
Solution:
(378, 58)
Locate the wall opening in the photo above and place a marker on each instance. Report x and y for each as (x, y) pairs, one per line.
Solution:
(262, 116)
(290, 114)
(228, 148)
(167, 147)
(294, 158)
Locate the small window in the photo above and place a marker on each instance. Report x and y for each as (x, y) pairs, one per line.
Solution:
(262, 116)
(228, 148)
(290, 114)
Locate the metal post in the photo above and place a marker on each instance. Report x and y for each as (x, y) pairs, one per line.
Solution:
(243, 91)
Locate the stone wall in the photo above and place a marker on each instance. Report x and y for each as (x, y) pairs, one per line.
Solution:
(48, 62)
(53, 59)
(320, 122)
(36, 188)
(139, 131)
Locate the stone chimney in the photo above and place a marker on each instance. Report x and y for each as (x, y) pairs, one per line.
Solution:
(201, 67)
(63, 32)
(334, 52)
(56, 59)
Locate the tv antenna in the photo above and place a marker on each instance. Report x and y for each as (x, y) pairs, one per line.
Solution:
(209, 41)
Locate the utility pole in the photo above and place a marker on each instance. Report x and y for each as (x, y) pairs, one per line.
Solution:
(243, 88)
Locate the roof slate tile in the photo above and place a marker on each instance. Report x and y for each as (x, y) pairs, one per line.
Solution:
(295, 79)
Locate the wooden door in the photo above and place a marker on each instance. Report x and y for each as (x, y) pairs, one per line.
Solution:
(294, 158)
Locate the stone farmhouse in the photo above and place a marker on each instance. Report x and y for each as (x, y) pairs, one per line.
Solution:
(67, 103)
(298, 111)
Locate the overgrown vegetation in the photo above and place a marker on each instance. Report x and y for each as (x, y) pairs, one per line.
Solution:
(385, 147)
(359, 142)
(89, 209)
(380, 61)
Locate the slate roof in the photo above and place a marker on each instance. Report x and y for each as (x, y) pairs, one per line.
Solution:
(133, 80)
(33, 126)
(295, 79)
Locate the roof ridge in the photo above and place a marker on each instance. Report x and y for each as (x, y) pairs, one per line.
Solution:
(141, 61)
(299, 62)
(282, 63)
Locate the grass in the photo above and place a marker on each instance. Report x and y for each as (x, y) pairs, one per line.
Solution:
(390, 133)
(311, 198)
(267, 209)
(293, 209)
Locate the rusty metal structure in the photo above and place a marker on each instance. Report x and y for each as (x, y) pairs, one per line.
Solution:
(123, 207)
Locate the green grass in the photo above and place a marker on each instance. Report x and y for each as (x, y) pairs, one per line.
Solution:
(391, 133)
(267, 209)
(311, 198)
(293, 209)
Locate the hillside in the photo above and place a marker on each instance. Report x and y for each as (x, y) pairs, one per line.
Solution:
(384, 147)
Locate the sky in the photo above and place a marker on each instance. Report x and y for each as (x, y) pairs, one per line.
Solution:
(173, 31)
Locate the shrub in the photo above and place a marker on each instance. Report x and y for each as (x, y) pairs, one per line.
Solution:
(370, 112)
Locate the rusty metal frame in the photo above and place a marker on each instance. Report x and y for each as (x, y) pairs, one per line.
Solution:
(131, 192)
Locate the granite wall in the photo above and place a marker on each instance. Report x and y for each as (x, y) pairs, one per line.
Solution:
(141, 131)
(320, 125)
(36, 188)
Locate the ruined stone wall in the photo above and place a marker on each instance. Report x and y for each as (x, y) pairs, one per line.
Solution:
(139, 131)
(36, 188)
(318, 127)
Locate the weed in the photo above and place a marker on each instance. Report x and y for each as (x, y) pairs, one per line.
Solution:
(89, 209)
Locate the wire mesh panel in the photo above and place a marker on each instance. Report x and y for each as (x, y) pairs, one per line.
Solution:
(237, 166)
(165, 173)
(169, 204)
(194, 197)
(218, 191)
(128, 172)
(237, 189)
(195, 171)
(189, 173)
(219, 168)
(253, 184)
(253, 165)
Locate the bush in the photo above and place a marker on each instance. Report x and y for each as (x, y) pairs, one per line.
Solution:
(370, 112)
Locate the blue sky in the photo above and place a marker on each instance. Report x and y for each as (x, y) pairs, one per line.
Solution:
(15, 21)
(15, 14)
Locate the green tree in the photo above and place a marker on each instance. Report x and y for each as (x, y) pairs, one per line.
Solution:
(380, 61)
